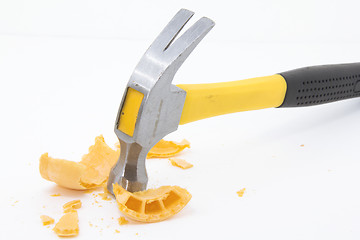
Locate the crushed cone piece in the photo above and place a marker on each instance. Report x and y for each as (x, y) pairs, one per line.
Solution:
(181, 163)
(68, 225)
(164, 149)
(72, 205)
(46, 220)
(152, 205)
(91, 172)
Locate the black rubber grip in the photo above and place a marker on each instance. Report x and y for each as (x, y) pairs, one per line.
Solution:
(321, 84)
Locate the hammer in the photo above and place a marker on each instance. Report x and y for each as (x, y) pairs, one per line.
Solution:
(153, 107)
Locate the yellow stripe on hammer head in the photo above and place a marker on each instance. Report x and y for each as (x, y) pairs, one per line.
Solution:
(130, 111)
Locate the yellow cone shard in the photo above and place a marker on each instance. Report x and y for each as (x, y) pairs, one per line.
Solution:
(165, 149)
(46, 220)
(152, 205)
(92, 171)
(68, 225)
(181, 163)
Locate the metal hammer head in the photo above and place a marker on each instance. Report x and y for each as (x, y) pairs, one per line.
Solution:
(151, 106)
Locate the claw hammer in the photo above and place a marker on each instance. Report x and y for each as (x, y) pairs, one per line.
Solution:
(153, 107)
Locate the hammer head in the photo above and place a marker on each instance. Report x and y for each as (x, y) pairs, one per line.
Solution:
(151, 106)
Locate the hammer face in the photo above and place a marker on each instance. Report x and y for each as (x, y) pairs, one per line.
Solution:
(130, 169)
(159, 108)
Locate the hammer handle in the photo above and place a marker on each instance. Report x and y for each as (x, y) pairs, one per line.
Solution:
(213, 99)
(321, 84)
(297, 88)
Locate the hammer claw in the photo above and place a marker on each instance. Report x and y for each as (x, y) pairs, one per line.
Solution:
(172, 29)
(186, 43)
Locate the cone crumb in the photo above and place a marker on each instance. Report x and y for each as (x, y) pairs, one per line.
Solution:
(181, 163)
(46, 220)
(89, 190)
(104, 196)
(241, 192)
(122, 221)
(72, 205)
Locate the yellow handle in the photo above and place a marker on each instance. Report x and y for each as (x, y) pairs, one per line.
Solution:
(213, 99)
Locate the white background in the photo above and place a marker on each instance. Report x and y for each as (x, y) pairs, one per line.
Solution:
(63, 69)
